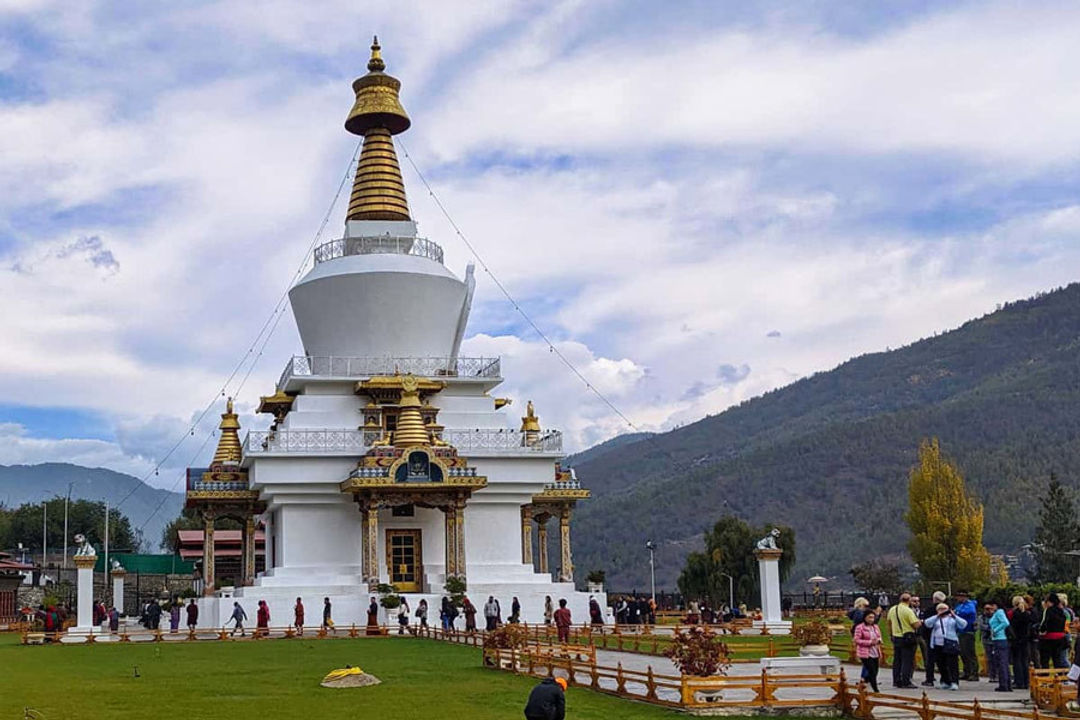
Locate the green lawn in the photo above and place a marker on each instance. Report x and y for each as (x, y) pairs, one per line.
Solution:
(273, 679)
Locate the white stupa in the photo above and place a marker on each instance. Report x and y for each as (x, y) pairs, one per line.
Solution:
(389, 461)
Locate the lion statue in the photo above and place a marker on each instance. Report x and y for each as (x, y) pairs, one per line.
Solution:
(84, 548)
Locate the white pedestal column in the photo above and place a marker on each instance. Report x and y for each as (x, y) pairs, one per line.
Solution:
(85, 589)
(769, 572)
(118, 590)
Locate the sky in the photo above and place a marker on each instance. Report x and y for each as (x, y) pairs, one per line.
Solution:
(696, 201)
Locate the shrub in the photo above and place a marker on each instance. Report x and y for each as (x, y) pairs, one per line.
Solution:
(700, 652)
(455, 588)
(388, 596)
(812, 633)
(596, 576)
(513, 636)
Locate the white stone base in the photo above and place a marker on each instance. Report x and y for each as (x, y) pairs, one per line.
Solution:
(810, 664)
(775, 627)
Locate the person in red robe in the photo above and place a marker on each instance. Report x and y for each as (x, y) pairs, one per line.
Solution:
(562, 621)
(298, 616)
(373, 618)
(262, 619)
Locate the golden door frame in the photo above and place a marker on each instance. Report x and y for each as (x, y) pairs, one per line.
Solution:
(418, 553)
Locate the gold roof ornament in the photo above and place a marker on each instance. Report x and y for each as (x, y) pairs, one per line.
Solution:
(228, 448)
(410, 431)
(530, 423)
(378, 190)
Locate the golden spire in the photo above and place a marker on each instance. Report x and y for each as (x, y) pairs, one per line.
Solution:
(530, 423)
(378, 191)
(411, 430)
(228, 449)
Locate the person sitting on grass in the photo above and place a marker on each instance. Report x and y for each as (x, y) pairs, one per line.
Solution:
(547, 701)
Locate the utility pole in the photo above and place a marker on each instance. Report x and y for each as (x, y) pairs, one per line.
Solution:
(651, 547)
(66, 501)
(44, 532)
(106, 540)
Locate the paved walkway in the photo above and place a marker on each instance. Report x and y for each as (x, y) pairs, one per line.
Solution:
(968, 692)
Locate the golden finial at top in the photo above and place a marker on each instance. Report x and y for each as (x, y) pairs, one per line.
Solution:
(376, 64)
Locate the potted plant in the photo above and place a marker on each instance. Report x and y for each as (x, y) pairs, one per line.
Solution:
(388, 597)
(595, 580)
(813, 638)
(700, 652)
(455, 588)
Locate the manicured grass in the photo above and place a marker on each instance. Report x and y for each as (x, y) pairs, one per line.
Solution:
(274, 679)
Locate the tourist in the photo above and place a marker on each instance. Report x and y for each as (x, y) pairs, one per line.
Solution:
(421, 612)
(968, 610)
(174, 614)
(883, 602)
(549, 610)
(1020, 622)
(1069, 617)
(470, 614)
(547, 701)
(596, 615)
(491, 613)
(998, 623)
(1052, 633)
(651, 605)
(192, 614)
(562, 621)
(622, 611)
(515, 611)
(262, 620)
(1035, 613)
(945, 644)
(868, 647)
(98, 612)
(635, 610)
(444, 613)
(298, 616)
(902, 625)
(925, 646)
(154, 614)
(858, 611)
(238, 616)
(327, 616)
(987, 639)
(403, 616)
(373, 617)
(114, 620)
(693, 614)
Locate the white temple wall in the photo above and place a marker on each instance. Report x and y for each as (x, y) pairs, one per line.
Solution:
(318, 535)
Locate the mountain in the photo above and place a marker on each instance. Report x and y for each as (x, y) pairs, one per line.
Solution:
(608, 445)
(21, 484)
(829, 455)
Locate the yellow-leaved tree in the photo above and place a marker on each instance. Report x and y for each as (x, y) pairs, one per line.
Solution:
(946, 522)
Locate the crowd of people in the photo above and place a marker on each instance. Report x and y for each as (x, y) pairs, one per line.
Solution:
(944, 632)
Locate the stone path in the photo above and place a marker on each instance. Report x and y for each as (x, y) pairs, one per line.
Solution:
(968, 692)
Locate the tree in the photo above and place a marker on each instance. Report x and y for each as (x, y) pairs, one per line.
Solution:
(84, 516)
(1055, 535)
(729, 550)
(877, 576)
(946, 522)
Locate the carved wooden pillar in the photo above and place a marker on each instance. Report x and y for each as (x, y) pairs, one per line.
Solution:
(370, 560)
(541, 541)
(566, 573)
(526, 535)
(450, 527)
(208, 552)
(459, 536)
(248, 570)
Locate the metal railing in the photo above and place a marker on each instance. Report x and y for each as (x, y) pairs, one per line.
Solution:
(359, 367)
(354, 442)
(564, 485)
(379, 244)
(260, 442)
(510, 441)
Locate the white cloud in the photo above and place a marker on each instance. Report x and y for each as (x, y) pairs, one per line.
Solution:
(17, 448)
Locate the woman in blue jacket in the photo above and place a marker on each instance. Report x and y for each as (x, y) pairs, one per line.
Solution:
(945, 645)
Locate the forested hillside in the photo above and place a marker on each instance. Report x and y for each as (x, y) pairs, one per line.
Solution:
(829, 454)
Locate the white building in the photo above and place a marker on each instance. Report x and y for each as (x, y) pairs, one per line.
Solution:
(389, 460)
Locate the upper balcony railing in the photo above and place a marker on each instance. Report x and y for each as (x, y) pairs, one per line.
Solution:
(479, 442)
(309, 366)
(379, 244)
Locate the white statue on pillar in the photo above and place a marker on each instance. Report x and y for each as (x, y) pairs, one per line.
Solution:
(768, 555)
(84, 548)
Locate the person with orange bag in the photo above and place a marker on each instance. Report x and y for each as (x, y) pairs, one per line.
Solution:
(547, 701)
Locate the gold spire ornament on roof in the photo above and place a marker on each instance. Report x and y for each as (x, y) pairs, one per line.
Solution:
(228, 448)
(378, 191)
(410, 430)
(530, 423)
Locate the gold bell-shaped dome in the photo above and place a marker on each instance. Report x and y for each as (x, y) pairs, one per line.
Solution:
(411, 430)
(378, 190)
